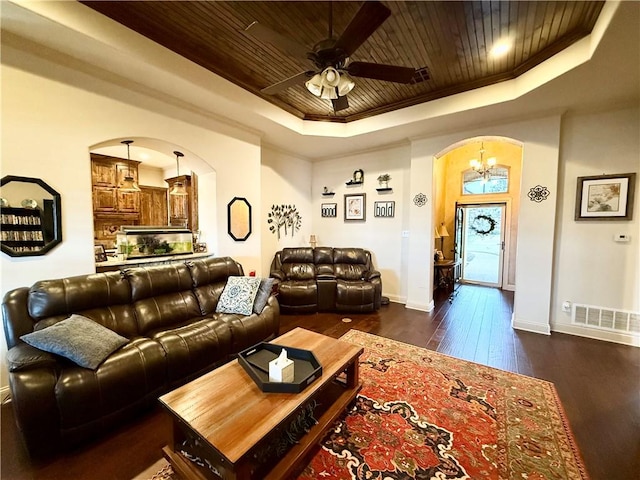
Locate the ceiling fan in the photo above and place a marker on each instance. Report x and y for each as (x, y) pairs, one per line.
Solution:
(332, 77)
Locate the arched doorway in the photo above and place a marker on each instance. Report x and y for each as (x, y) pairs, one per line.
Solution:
(477, 208)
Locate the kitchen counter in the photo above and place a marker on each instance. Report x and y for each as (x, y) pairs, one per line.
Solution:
(113, 263)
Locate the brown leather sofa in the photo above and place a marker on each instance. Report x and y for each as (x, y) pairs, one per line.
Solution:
(168, 314)
(326, 279)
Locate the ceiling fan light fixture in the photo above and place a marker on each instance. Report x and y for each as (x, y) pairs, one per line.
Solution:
(329, 93)
(346, 84)
(329, 84)
(330, 77)
(314, 85)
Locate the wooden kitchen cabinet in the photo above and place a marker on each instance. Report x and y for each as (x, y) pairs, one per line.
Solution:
(154, 208)
(111, 206)
(103, 171)
(104, 200)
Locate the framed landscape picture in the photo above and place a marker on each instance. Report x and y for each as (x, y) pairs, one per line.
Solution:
(605, 197)
(355, 206)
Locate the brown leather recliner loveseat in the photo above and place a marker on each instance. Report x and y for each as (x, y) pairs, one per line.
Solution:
(326, 279)
(167, 316)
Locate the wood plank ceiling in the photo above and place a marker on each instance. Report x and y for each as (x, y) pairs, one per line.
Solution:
(451, 40)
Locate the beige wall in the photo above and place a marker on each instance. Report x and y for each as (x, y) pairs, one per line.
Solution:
(47, 130)
(450, 167)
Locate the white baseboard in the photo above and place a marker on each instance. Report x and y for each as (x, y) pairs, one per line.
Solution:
(421, 306)
(395, 298)
(543, 329)
(607, 336)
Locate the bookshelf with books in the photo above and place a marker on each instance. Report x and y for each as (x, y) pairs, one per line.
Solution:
(22, 229)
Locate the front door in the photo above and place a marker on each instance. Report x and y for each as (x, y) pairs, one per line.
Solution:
(480, 243)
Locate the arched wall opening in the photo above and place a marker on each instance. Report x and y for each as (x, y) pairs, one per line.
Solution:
(158, 163)
(540, 141)
(450, 164)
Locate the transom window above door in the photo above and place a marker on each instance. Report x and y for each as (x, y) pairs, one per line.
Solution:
(495, 180)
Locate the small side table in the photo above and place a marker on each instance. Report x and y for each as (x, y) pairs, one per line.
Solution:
(445, 276)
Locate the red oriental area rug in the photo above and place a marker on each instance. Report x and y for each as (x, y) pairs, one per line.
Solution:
(424, 415)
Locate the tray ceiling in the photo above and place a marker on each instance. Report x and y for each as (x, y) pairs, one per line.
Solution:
(449, 42)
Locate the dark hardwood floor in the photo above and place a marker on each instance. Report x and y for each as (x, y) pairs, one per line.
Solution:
(598, 383)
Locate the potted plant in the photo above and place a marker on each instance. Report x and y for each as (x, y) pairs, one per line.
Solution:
(383, 180)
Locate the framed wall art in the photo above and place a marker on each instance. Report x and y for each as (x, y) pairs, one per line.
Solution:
(605, 197)
(384, 209)
(355, 206)
(99, 253)
(329, 210)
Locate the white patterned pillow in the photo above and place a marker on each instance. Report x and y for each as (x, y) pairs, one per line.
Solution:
(238, 295)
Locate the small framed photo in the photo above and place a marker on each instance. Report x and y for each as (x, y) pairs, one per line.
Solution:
(99, 253)
(355, 207)
(605, 197)
(384, 209)
(329, 210)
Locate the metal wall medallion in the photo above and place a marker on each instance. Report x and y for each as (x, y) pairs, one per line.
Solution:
(538, 193)
(420, 200)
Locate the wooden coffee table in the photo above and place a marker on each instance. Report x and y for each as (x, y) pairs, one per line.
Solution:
(231, 429)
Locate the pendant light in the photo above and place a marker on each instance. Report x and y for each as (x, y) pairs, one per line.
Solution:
(178, 187)
(128, 183)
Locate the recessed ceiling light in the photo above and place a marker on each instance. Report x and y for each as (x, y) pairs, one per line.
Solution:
(500, 48)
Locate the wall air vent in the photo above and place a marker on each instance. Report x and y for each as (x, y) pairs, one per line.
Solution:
(602, 318)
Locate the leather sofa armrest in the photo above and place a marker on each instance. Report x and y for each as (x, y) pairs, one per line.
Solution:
(370, 275)
(279, 274)
(25, 357)
(325, 272)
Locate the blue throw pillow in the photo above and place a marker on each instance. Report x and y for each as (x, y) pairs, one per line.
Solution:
(81, 340)
(238, 295)
(266, 284)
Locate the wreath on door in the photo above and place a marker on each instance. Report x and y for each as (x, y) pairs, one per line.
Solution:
(483, 224)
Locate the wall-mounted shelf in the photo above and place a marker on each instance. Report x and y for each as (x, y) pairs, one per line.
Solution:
(385, 189)
(328, 194)
(351, 182)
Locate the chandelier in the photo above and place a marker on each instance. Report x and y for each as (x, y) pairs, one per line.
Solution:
(483, 167)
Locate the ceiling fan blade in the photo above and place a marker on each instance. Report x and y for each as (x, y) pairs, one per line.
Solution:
(370, 16)
(288, 82)
(280, 41)
(379, 71)
(340, 103)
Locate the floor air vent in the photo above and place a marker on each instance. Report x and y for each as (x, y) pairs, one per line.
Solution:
(606, 319)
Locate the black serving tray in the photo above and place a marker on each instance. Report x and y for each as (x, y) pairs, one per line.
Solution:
(255, 360)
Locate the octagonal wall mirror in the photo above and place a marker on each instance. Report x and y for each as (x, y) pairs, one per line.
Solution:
(31, 216)
(239, 219)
